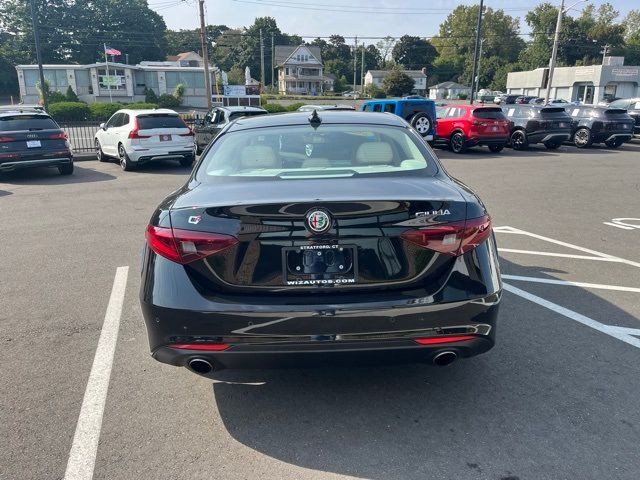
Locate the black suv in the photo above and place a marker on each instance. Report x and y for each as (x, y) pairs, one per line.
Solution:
(31, 138)
(600, 124)
(532, 124)
(632, 106)
(218, 117)
(505, 99)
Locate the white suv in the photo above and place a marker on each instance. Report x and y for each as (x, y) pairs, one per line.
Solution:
(139, 136)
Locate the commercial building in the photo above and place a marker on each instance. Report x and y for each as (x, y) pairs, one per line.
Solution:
(587, 84)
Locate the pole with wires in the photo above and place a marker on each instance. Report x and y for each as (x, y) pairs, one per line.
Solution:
(205, 55)
(36, 34)
(362, 71)
(262, 83)
(273, 56)
(476, 52)
(106, 64)
(355, 65)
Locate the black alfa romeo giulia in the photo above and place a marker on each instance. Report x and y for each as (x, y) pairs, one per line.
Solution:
(317, 238)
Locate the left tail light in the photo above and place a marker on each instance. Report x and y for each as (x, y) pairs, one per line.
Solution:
(135, 133)
(186, 246)
(58, 136)
(452, 239)
(190, 134)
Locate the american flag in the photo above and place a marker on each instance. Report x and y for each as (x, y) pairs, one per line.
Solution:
(111, 51)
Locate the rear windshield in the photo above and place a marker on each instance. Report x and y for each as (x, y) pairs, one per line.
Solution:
(147, 122)
(236, 115)
(494, 113)
(553, 112)
(27, 122)
(298, 152)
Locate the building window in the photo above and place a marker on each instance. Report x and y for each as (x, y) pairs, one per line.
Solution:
(30, 78)
(191, 80)
(114, 80)
(82, 78)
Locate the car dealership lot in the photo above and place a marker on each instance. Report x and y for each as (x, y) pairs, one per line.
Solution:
(556, 398)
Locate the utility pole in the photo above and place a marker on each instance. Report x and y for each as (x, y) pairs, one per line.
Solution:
(362, 71)
(205, 55)
(36, 34)
(605, 50)
(554, 52)
(273, 59)
(476, 53)
(355, 65)
(261, 59)
(478, 71)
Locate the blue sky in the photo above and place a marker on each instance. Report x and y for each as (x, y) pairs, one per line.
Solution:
(368, 18)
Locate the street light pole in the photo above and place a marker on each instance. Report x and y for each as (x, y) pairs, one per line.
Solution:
(205, 55)
(36, 34)
(476, 52)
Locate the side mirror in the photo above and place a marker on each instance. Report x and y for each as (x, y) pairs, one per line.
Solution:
(102, 126)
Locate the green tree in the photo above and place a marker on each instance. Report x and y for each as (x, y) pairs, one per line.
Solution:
(179, 41)
(385, 47)
(397, 83)
(413, 53)
(70, 95)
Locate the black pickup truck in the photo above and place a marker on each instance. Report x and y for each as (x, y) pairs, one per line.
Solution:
(207, 129)
(534, 124)
(592, 124)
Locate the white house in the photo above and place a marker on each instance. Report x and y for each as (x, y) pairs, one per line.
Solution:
(299, 70)
(376, 77)
(448, 90)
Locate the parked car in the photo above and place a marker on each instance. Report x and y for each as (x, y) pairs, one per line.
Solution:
(632, 106)
(21, 107)
(136, 137)
(524, 99)
(463, 126)
(31, 138)
(505, 99)
(536, 101)
(561, 101)
(311, 108)
(216, 119)
(532, 124)
(317, 239)
(351, 94)
(421, 114)
(611, 126)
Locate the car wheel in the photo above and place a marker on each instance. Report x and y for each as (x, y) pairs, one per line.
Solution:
(456, 143)
(496, 148)
(422, 123)
(519, 140)
(199, 150)
(582, 138)
(125, 162)
(614, 143)
(552, 145)
(186, 162)
(99, 153)
(66, 169)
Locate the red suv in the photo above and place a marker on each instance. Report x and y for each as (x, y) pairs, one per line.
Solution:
(464, 126)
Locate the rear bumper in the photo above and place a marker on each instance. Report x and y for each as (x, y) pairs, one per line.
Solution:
(151, 155)
(279, 331)
(546, 137)
(611, 136)
(45, 162)
(473, 141)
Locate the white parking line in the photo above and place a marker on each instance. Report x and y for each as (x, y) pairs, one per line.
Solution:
(619, 226)
(552, 281)
(562, 255)
(82, 457)
(614, 332)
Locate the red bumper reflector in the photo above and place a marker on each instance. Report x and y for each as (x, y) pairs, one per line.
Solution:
(210, 347)
(437, 340)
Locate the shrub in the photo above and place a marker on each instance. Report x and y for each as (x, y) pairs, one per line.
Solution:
(274, 108)
(178, 92)
(462, 96)
(168, 101)
(71, 95)
(57, 97)
(397, 83)
(69, 111)
(102, 111)
(141, 106)
(150, 96)
(294, 106)
(374, 91)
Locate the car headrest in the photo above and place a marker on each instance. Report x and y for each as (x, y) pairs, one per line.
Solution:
(374, 153)
(257, 156)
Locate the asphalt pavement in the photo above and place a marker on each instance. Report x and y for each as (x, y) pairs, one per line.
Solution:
(557, 398)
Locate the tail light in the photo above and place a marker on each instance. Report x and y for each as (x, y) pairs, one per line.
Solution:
(186, 246)
(451, 238)
(190, 134)
(7, 139)
(206, 347)
(58, 136)
(134, 133)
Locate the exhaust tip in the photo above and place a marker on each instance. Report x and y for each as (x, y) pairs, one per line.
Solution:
(445, 358)
(200, 366)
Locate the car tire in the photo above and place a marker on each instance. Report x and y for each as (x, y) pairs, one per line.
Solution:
(614, 143)
(496, 148)
(199, 150)
(99, 153)
(582, 138)
(186, 162)
(519, 140)
(125, 162)
(457, 143)
(552, 145)
(66, 169)
(421, 123)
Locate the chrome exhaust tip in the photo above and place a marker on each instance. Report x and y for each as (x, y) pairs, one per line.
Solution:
(200, 366)
(445, 358)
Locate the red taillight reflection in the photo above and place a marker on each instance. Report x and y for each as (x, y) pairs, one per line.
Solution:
(452, 238)
(58, 136)
(438, 340)
(7, 139)
(210, 347)
(186, 246)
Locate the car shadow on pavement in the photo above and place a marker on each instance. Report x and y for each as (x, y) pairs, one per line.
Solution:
(549, 392)
(50, 176)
